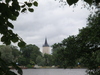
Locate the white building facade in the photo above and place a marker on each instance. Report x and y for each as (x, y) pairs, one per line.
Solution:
(46, 48)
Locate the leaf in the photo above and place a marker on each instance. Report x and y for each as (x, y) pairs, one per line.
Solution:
(13, 17)
(35, 3)
(17, 68)
(89, 1)
(10, 25)
(11, 73)
(23, 10)
(70, 2)
(29, 4)
(7, 42)
(16, 13)
(15, 4)
(23, 6)
(21, 44)
(14, 39)
(31, 9)
(7, 1)
(3, 38)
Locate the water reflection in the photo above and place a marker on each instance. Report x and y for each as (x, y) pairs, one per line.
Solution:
(54, 72)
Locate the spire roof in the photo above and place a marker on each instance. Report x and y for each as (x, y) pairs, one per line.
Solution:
(45, 43)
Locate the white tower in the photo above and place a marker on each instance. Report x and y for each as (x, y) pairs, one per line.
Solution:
(46, 48)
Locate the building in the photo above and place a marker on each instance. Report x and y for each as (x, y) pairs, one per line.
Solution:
(46, 47)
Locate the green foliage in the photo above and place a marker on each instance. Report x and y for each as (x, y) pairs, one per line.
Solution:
(66, 52)
(21, 43)
(35, 3)
(29, 66)
(70, 2)
(22, 61)
(83, 48)
(29, 54)
(9, 10)
(6, 53)
(48, 59)
(9, 53)
(40, 61)
(31, 10)
(89, 1)
(5, 70)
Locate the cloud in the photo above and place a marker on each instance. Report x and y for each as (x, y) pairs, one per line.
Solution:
(51, 21)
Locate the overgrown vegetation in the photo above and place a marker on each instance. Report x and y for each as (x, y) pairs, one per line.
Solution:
(83, 48)
(9, 11)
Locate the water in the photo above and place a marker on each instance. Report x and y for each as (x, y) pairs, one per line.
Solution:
(54, 72)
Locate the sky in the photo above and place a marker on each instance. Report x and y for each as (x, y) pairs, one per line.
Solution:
(52, 20)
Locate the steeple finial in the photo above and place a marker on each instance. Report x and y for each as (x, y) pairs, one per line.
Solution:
(45, 44)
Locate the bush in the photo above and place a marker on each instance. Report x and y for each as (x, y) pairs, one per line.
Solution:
(29, 66)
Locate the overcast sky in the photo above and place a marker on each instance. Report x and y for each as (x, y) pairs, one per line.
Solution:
(50, 20)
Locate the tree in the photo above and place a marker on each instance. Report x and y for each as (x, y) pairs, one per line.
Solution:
(90, 43)
(48, 59)
(6, 53)
(30, 52)
(6, 59)
(83, 48)
(9, 10)
(67, 52)
(13, 8)
(15, 52)
(22, 61)
(90, 2)
(40, 61)
(9, 53)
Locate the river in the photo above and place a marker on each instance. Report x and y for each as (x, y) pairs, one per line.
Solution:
(54, 71)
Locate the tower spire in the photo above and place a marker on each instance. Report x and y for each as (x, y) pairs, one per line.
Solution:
(46, 43)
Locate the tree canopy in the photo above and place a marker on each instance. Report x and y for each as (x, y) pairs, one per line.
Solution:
(90, 2)
(83, 48)
(9, 11)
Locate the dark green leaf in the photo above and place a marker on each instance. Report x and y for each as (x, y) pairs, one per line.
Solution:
(10, 31)
(89, 1)
(23, 6)
(10, 25)
(16, 13)
(70, 2)
(11, 73)
(14, 39)
(7, 1)
(13, 17)
(31, 9)
(35, 3)
(8, 42)
(3, 38)
(29, 4)
(23, 10)
(21, 44)
(15, 5)
(17, 68)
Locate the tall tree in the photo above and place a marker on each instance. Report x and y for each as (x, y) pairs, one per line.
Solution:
(30, 52)
(66, 53)
(90, 42)
(85, 46)
(6, 53)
